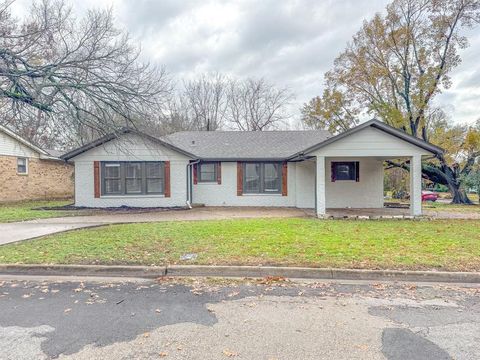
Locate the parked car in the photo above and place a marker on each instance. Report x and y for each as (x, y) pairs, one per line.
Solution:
(429, 196)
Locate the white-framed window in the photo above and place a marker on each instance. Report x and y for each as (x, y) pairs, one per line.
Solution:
(22, 166)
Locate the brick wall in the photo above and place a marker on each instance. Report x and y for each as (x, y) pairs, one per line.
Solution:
(46, 179)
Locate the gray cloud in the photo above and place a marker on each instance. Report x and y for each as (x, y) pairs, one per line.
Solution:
(289, 42)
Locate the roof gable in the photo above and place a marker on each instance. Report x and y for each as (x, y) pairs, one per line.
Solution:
(376, 124)
(112, 136)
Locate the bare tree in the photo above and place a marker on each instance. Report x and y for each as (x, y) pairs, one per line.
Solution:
(206, 101)
(73, 73)
(256, 105)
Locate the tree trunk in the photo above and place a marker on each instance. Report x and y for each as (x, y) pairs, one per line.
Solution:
(446, 176)
(459, 196)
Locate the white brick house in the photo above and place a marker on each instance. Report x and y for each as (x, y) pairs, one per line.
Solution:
(304, 169)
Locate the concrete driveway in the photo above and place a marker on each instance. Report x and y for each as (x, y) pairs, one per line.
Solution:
(12, 232)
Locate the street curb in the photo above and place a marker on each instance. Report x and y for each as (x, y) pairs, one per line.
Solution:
(152, 272)
(323, 273)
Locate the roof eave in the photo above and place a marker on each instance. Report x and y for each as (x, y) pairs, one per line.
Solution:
(23, 141)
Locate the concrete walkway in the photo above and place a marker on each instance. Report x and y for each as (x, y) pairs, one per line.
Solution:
(12, 232)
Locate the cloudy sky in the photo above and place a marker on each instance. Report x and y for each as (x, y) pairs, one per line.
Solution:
(288, 42)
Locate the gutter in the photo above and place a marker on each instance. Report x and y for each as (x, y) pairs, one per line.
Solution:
(189, 183)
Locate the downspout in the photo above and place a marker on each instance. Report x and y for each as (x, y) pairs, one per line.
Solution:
(189, 183)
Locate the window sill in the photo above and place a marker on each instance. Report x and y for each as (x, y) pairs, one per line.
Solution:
(207, 183)
(22, 174)
(130, 196)
(250, 194)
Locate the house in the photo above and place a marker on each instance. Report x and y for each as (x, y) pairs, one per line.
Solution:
(28, 172)
(304, 169)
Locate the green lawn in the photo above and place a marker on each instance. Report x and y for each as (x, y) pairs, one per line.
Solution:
(21, 211)
(440, 244)
(438, 206)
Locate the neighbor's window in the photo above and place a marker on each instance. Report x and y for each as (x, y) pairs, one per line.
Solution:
(22, 166)
(345, 170)
(262, 178)
(207, 172)
(133, 178)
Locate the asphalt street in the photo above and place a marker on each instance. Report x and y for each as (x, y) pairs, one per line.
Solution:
(248, 319)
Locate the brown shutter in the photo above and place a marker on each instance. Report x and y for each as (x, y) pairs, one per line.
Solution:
(357, 171)
(96, 178)
(195, 174)
(284, 178)
(219, 172)
(239, 178)
(167, 179)
(332, 171)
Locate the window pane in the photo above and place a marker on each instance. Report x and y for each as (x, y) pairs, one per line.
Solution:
(344, 171)
(133, 186)
(207, 172)
(112, 186)
(133, 170)
(252, 177)
(155, 186)
(271, 178)
(154, 170)
(112, 170)
(21, 165)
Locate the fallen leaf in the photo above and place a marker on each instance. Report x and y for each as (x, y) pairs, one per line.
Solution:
(229, 353)
(158, 310)
(163, 354)
(67, 310)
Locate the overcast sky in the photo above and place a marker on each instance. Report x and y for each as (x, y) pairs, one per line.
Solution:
(288, 42)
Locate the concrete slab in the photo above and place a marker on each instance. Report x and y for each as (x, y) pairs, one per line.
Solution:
(12, 232)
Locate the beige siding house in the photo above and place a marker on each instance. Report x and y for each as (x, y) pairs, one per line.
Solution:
(28, 172)
(303, 169)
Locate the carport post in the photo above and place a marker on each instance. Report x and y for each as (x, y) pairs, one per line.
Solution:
(320, 203)
(416, 185)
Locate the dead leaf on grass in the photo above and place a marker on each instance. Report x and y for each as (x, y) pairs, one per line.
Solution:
(229, 353)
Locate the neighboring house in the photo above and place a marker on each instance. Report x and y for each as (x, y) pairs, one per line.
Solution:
(28, 172)
(304, 169)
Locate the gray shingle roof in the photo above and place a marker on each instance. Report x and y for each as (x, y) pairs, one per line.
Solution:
(246, 145)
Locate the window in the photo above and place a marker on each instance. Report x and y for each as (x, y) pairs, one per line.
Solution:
(345, 170)
(207, 172)
(133, 178)
(155, 173)
(22, 166)
(112, 178)
(262, 178)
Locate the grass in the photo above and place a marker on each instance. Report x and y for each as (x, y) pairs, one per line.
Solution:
(441, 244)
(438, 206)
(21, 211)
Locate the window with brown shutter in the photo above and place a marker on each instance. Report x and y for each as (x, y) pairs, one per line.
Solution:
(239, 179)
(167, 179)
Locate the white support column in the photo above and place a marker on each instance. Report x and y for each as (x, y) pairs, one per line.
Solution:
(416, 185)
(320, 187)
